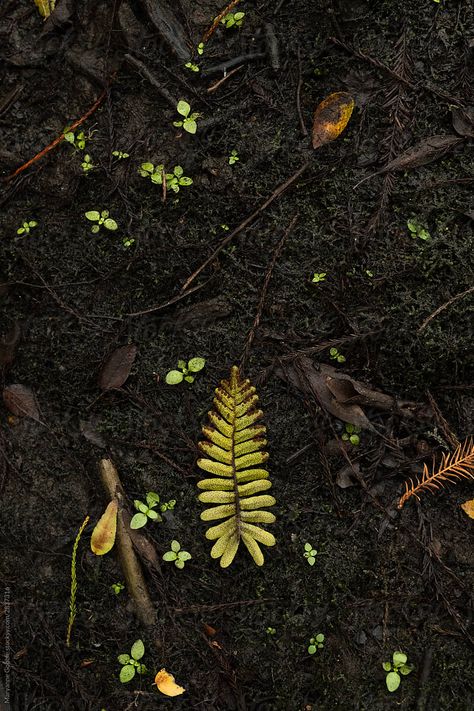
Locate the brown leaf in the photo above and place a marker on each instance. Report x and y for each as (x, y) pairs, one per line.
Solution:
(428, 150)
(463, 121)
(117, 367)
(331, 117)
(21, 401)
(103, 535)
(345, 476)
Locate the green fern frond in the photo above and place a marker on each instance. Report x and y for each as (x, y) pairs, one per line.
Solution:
(234, 452)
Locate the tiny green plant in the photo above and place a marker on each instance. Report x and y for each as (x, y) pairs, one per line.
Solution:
(131, 664)
(189, 119)
(191, 66)
(176, 555)
(167, 505)
(417, 230)
(185, 372)
(117, 588)
(271, 631)
(317, 278)
(200, 48)
(26, 227)
(335, 355)
(77, 140)
(233, 19)
(174, 180)
(87, 163)
(351, 434)
(146, 511)
(397, 666)
(128, 242)
(234, 157)
(310, 553)
(100, 218)
(120, 155)
(315, 643)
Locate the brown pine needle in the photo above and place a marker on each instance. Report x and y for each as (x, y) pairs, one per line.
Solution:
(453, 466)
(217, 20)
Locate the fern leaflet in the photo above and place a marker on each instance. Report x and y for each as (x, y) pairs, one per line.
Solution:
(234, 454)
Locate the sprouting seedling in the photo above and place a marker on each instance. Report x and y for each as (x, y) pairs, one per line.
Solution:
(101, 218)
(189, 121)
(397, 666)
(317, 278)
(120, 155)
(352, 434)
(315, 643)
(335, 355)
(417, 230)
(185, 372)
(168, 505)
(233, 19)
(234, 157)
(131, 662)
(200, 48)
(174, 180)
(128, 242)
(270, 631)
(146, 511)
(77, 140)
(87, 163)
(117, 587)
(191, 66)
(26, 227)
(310, 553)
(176, 555)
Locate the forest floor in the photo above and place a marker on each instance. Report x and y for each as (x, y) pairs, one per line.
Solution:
(395, 302)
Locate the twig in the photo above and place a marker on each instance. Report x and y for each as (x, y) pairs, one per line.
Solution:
(443, 307)
(59, 139)
(248, 220)
(217, 20)
(132, 571)
(230, 63)
(263, 295)
(151, 79)
(179, 296)
(217, 84)
(304, 130)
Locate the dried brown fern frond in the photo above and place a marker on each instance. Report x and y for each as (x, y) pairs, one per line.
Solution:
(453, 466)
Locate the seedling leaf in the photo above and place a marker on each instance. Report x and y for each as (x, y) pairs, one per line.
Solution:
(127, 673)
(393, 681)
(138, 650)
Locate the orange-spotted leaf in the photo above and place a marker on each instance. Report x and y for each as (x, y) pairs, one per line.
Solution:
(103, 535)
(167, 685)
(468, 507)
(331, 117)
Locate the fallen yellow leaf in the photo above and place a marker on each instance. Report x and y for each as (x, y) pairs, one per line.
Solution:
(331, 117)
(103, 535)
(167, 685)
(45, 7)
(468, 507)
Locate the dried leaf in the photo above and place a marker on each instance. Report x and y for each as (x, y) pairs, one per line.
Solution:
(428, 150)
(21, 401)
(468, 507)
(45, 7)
(331, 117)
(463, 121)
(103, 535)
(167, 685)
(117, 367)
(345, 476)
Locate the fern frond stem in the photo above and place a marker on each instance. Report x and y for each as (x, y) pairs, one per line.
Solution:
(72, 600)
(238, 517)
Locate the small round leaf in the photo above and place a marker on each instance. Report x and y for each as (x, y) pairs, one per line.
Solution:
(183, 108)
(196, 364)
(92, 215)
(174, 377)
(170, 556)
(138, 649)
(124, 658)
(138, 521)
(190, 126)
(393, 681)
(175, 546)
(127, 673)
(110, 224)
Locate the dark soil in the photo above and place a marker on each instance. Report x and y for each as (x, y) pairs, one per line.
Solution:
(384, 579)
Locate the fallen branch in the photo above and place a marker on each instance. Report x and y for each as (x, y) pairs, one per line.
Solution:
(132, 571)
(444, 306)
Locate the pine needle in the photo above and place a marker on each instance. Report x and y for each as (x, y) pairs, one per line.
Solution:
(452, 467)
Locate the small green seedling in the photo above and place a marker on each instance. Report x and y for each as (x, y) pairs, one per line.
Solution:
(200, 48)
(270, 631)
(117, 588)
(174, 377)
(120, 155)
(417, 230)
(192, 67)
(310, 553)
(131, 662)
(176, 555)
(146, 511)
(174, 180)
(234, 157)
(352, 434)
(128, 242)
(316, 643)
(168, 505)
(369, 273)
(225, 227)
(101, 218)
(26, 227)
(233, 19)
(189, 121)
(317, 278)
(395, 668)
(335, 355)
(87, 163)
(77, 140)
